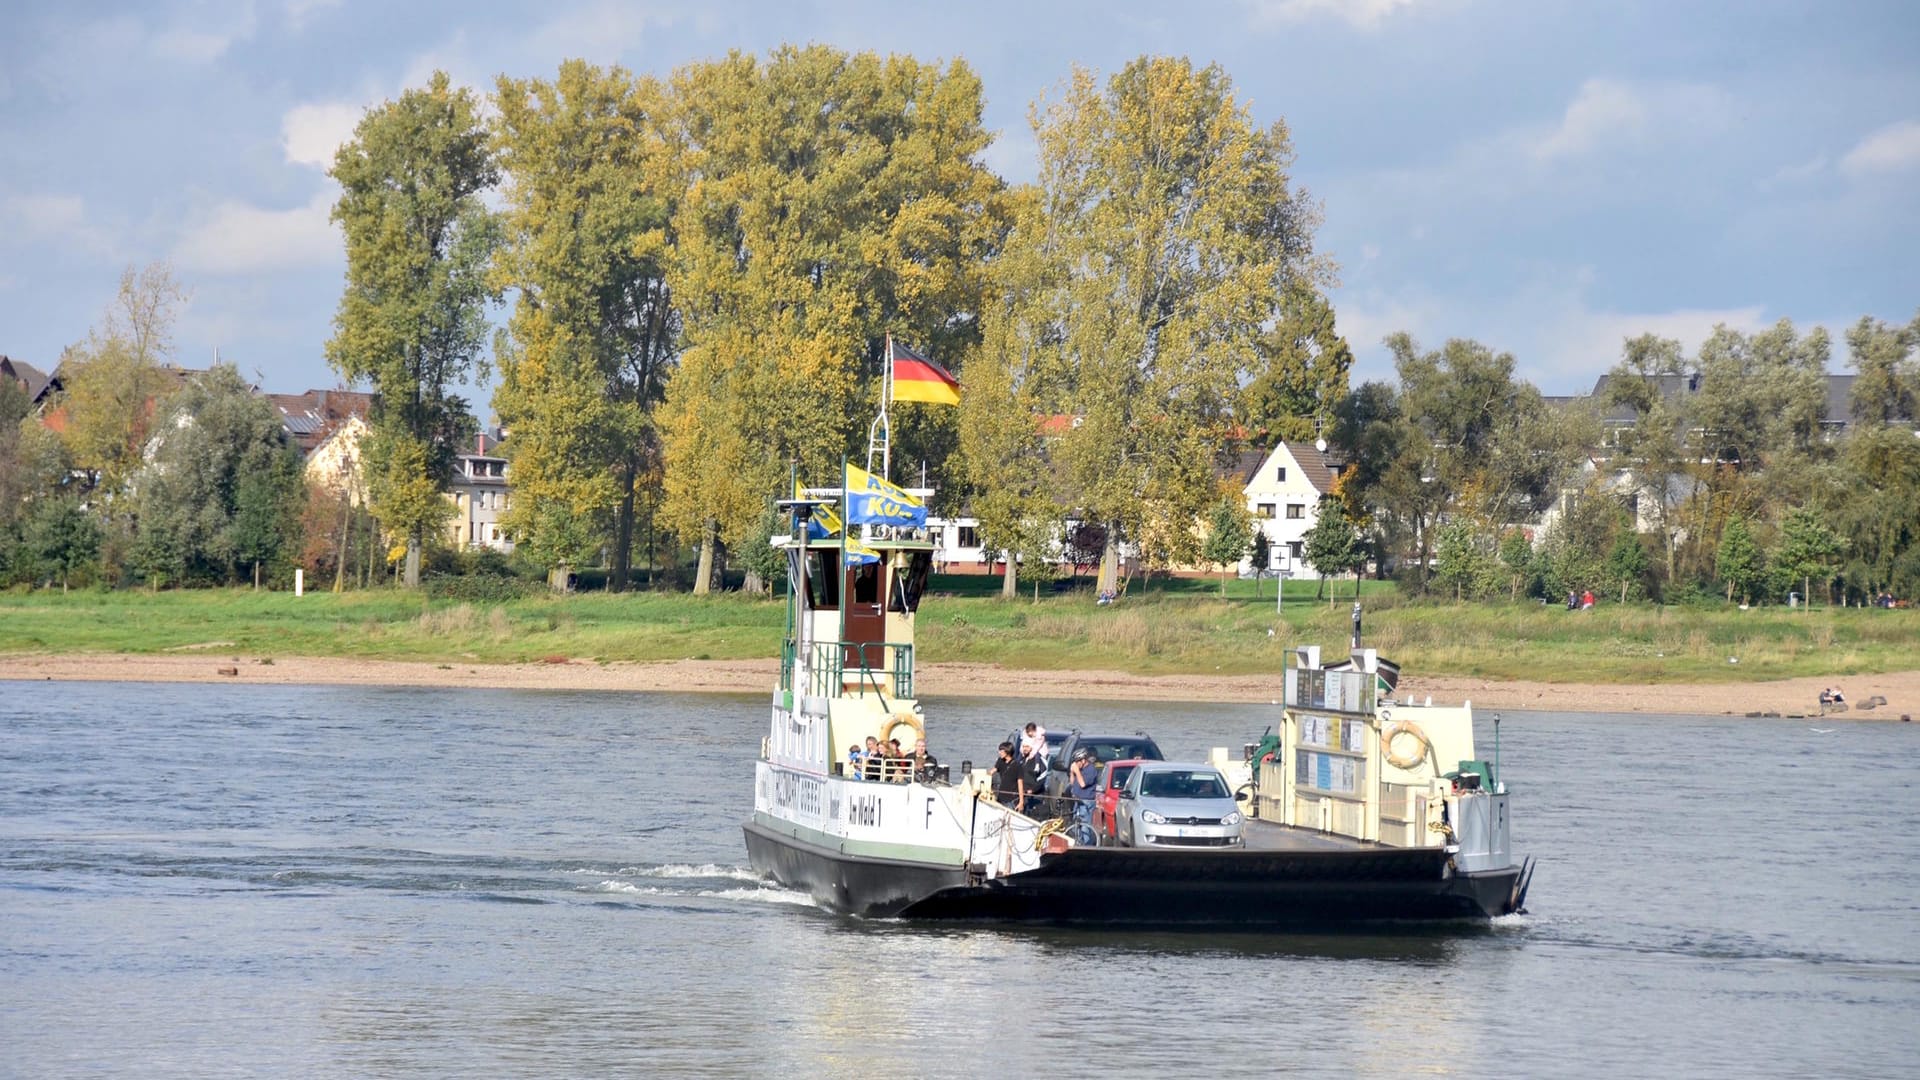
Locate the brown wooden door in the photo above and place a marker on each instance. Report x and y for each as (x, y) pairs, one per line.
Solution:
(865, 625)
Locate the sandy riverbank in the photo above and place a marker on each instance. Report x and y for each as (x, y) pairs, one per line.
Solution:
(1901, 689)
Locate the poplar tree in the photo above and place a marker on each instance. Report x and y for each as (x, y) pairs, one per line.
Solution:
(594, 328)
(1172, 230)
(829, 199)
(1740, 563)
(412, 319)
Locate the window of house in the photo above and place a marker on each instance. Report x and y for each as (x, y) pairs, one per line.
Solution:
(1296, 511)
(1266, 510)
(1282, 474)
(1294, 547)
(969, 536)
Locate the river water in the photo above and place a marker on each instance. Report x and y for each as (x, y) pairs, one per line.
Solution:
(216, 880)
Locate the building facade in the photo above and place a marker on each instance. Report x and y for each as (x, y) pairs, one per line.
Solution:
(1284, 493)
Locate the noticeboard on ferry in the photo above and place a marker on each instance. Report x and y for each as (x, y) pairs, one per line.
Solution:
(1334, 691)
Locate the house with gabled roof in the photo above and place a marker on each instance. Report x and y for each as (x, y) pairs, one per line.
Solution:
(1283, 490)
(35, 382)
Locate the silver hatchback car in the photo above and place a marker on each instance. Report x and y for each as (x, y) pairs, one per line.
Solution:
(1167, 804)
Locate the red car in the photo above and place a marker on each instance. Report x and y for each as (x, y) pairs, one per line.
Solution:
(1106, 796)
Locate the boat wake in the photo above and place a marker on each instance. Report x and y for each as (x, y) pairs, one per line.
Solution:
(708, 881)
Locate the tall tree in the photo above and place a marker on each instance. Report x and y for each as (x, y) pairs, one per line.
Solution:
(1627, 561)
(1172, 232)
(1664, 473)
(1463, 438)
(829, 199)
(223, 487)
(1302, 374)
(112, 380)
(1741, 564)
(1332, 546)
(594, 328)
(1008, 476)
(1229, 534)
(1808, 548)
(1887, 387)
(412, 320)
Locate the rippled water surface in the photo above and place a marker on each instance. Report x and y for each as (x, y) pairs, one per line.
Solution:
(218, 880)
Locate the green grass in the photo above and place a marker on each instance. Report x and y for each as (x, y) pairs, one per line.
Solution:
(1170, 627)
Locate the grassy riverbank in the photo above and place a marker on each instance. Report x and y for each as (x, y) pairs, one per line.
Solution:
(1179, 630)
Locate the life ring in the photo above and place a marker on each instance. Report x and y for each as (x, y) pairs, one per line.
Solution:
(1404, 727)
(907, 718)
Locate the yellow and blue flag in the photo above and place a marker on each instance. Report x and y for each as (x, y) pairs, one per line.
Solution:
(873, 501)
(857, 554)
(824, 522)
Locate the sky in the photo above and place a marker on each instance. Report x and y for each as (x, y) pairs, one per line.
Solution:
(1547, 177)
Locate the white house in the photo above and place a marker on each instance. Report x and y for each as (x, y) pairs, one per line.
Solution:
(1284, 493)
(481, 495)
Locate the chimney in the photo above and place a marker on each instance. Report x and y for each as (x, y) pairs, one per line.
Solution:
(480, 443)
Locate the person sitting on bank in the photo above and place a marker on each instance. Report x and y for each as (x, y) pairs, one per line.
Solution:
(1009, 779)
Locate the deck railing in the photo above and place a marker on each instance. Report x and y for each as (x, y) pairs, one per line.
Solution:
(882, 668)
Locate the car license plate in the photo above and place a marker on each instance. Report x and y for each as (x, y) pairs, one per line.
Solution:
(1182, 832)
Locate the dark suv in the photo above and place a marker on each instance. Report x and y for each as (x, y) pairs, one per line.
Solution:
(1105, 748)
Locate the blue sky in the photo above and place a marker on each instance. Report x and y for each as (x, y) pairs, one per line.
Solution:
(1546, 177)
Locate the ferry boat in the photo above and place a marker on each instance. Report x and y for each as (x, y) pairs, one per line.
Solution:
(1359, 808)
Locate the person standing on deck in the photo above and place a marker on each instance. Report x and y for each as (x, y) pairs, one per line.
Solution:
(1009, 779)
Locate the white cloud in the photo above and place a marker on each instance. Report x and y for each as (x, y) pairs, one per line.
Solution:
(311, 133)
(203, 43)
(1560, 340)
(1364, 14)
(298, 11)
(599, 32)
(1608, 113)
(456, 59)
(1794, 175)
(61, 219)
(1892, 148)
(236, 237)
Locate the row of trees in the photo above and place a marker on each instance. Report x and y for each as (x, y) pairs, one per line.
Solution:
(1730, 471)
(703, 271)
(139, 476)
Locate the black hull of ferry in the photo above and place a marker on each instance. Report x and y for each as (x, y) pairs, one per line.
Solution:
(1232, 889)
(1237, 889)
(852, 885)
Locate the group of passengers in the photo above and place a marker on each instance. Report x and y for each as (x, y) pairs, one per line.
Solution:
(1020, 780)
(887, 762)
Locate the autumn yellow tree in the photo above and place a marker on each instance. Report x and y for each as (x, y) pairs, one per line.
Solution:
(828, 199)
(110, 381)
(1174, 232)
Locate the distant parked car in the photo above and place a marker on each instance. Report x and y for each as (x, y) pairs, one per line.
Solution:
(1167, 804)
(1113, 777)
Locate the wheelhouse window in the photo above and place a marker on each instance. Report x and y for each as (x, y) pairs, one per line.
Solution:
(910, 583)
(823, 578)
(866, 584)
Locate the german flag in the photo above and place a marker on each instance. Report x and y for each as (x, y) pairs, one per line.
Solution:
(916, 378)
